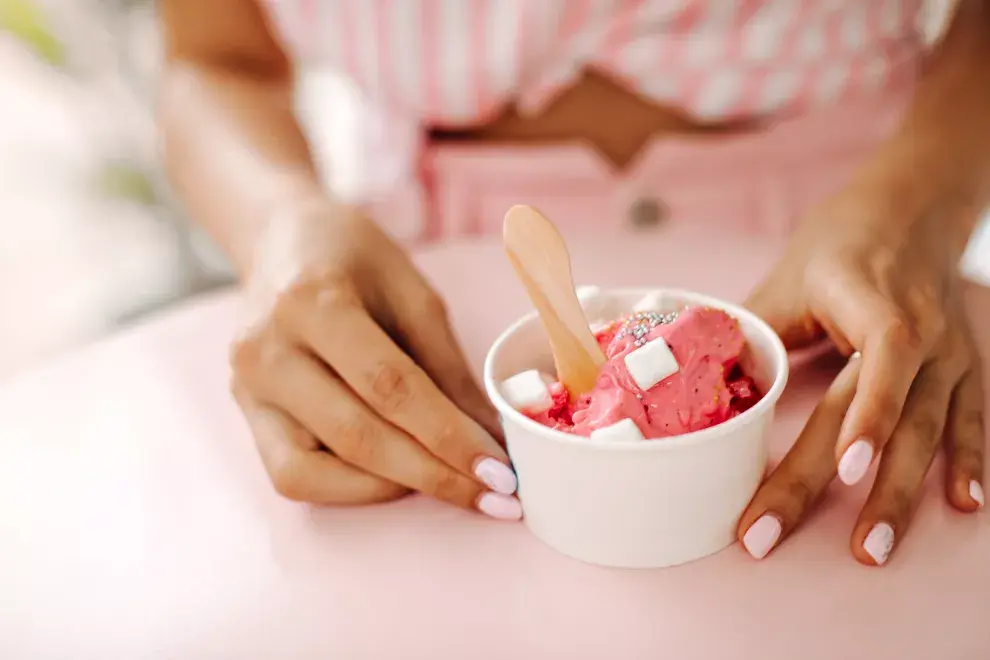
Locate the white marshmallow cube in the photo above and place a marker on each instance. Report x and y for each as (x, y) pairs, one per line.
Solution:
(624, 430)
(528, 392)
(651, 363)
(651, 302)
(586, 293)
(593, 300)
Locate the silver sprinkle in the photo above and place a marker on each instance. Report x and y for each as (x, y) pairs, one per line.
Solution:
(641, 323)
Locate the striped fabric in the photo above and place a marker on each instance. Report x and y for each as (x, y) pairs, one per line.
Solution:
(449, 62)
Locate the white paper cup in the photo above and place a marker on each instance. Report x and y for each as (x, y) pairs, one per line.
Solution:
(638, 504)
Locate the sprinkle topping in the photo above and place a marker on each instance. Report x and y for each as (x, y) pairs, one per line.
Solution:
(640, 324)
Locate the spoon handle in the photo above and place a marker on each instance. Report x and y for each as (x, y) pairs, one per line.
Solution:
(539, 255)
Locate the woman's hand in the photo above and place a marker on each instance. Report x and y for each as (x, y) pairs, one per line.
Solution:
(351, 378)
(881, 282)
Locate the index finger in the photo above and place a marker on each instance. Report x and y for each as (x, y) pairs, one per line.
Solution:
(394, 386)
(892, 355)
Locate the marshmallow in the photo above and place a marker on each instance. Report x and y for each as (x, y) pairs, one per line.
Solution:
(528, 392)
(625, 430)
(586, 293)
(649, 303)
(651, 363)
(592, 299)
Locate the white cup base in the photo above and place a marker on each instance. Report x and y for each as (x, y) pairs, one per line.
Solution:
(638, 504)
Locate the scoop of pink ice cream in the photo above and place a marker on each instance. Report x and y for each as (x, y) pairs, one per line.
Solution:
(707, 389)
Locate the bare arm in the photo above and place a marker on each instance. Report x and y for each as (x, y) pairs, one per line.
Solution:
(941, 154)
(315, 366)
(233, 149)
(874, 268)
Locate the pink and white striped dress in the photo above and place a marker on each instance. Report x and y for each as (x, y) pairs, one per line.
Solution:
(456, 62)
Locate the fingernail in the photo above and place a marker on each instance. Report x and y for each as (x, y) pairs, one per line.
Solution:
(761, 536)
(879, 542)
(502, 507)
(856, 461)
(496, 475)
(976, 492)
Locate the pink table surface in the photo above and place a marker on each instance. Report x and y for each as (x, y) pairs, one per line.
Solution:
(137, 522)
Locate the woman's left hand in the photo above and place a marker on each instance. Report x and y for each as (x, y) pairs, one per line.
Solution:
(882, 283)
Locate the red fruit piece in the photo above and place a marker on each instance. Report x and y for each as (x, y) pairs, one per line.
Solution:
(560, 409)
(745, 394)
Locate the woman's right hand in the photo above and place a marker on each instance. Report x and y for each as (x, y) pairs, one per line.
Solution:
(350, 376)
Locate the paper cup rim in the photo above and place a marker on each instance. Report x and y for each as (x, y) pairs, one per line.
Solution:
(692, 438)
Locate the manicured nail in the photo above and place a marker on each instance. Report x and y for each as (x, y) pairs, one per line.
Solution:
(502, 507)
(496, 475)
(879, 542)
(856, 461)
(761, 536)
(976, 492)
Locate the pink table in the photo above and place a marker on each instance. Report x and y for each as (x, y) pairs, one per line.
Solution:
(136, 522)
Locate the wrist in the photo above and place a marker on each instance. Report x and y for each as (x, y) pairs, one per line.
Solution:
(310, 232)
(920, 184)
(281, 225)
(275, 234)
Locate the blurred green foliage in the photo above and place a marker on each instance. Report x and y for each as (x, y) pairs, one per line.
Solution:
(122, 180)
(28, 22)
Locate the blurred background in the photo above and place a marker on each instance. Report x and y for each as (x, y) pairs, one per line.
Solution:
(91, 239)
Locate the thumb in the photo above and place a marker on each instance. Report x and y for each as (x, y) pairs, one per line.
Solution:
(783, 306)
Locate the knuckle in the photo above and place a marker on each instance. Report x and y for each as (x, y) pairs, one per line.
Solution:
(447, 485)
(301, 437)
(968, 456)
(955, 356)
(936, 324)
(926, 426)
(446, 440)
(391, 389)
(900, 502)
(971, 424)
(801, 494)
(932, 328)
(883, 261)
(315, 289)
(255, 354)
(245, 353)
(923, 296)
(285, 475)
(885, 409)
(336, 296)
(355, 441)
(900, 332)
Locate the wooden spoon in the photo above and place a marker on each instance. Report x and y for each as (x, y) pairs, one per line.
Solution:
(539, 255)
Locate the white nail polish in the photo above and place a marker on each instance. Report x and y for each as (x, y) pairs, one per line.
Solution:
(500, 507)
(976, 492)
(879, 542)
(496, 475)
(855, 461)
(762, 536)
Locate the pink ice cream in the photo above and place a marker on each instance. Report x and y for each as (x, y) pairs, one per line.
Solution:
(708, 388)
